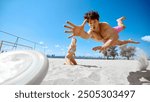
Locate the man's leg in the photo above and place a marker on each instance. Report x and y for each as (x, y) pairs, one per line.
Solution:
(120, 25)
(120, 21)
(73, 61)
(68, 59)
(122, 42)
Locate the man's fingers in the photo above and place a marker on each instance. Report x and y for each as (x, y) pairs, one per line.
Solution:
(71, 24)
(68, 31)
(67, 27)
(84, 22)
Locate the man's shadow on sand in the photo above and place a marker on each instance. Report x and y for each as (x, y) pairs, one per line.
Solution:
(90, 66)
(139, 77)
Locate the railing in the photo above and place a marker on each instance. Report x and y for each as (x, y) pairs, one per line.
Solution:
(17, 43)
(11, 44)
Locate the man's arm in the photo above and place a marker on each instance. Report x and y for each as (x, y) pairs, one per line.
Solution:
(85, 35)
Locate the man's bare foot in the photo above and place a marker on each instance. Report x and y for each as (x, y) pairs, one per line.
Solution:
(121, 19)
(100, 48)
(134, 42)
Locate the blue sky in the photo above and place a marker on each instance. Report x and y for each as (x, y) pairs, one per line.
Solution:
(42, 21)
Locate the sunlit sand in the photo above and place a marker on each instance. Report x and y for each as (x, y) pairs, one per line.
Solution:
(96, 72)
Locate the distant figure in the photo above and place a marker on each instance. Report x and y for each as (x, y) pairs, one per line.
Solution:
(71, 53)
(99, 31)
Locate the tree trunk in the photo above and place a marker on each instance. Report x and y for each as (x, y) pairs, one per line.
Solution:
(113, 58)
(107, 57)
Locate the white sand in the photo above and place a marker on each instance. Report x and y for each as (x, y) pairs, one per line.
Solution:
(99, 72)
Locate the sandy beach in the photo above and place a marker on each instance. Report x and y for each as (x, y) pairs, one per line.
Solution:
(96, 72)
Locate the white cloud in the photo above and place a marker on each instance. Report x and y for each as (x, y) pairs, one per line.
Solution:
(41, 42)
(57, 46)
(146, 38)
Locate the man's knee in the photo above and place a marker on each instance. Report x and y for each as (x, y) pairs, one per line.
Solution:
(68, 56)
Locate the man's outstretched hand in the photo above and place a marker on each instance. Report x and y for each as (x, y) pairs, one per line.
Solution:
(75, 30)
(100, 48)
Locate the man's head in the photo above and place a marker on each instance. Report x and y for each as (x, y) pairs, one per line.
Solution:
(92, 18)
(91, 15)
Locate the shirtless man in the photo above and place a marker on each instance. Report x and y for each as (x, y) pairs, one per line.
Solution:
(71, 53)
(99, 31)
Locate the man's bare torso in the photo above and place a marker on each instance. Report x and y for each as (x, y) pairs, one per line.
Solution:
(103, 32)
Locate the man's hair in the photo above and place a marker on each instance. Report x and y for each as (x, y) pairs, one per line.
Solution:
(91, 15)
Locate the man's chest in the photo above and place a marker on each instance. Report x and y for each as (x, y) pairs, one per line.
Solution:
(96, 36)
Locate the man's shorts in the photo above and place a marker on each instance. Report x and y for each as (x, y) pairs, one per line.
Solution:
(119, 28)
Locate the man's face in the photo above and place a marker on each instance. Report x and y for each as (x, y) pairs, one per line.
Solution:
(93, 23)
